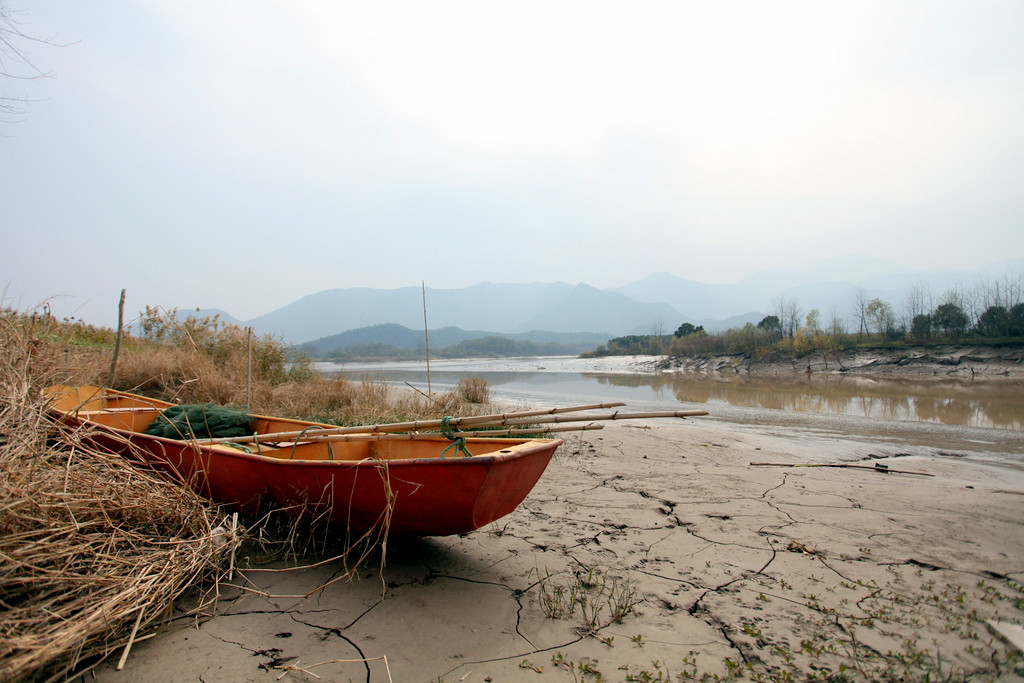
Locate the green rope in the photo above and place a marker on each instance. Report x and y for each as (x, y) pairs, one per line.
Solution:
(458, 442)
(299, 438)
(330, 451)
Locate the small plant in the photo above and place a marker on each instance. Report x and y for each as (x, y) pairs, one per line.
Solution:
(592, 594)
(473, 390)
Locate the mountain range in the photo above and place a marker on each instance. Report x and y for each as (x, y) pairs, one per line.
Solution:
(658, 303)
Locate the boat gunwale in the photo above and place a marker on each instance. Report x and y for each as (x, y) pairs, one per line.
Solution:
(527, 447)
(520, 447)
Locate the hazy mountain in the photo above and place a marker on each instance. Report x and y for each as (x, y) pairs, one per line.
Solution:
(590, 309)
(829, 285)
(404, 338)
(501, 308)
(850, 269)
(694, 300)
(660, 301)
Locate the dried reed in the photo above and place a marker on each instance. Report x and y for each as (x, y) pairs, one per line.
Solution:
(92, 549)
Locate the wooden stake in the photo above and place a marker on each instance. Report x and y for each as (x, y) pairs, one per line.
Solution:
(248, 371)
(117, 340)
(426, 335)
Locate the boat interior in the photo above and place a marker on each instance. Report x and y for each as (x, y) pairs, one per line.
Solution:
(133, 413)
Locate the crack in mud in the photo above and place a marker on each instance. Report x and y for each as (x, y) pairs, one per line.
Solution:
(331, 630)
(275, 661)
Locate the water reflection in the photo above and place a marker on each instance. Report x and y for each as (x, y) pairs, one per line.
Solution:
(955, 402)
(977, 404)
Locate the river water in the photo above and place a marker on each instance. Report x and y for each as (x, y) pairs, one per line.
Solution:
(554, 381)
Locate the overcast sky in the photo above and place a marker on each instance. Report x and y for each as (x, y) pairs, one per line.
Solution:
(240, 155)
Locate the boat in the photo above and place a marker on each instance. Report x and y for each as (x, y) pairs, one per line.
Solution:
(410, 484)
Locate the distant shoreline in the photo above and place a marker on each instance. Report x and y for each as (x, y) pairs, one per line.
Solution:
(919, 363)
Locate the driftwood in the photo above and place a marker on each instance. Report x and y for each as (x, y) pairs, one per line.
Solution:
(877, 467)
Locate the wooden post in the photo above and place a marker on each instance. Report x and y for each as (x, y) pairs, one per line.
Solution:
(117, 340)
(248, 371)
(426, 336)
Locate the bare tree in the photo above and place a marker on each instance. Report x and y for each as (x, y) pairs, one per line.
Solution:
(860, 310)
(918, 301)
(793, 315)
(1005, 292)
(15, 62)
(1012, 289)
(657, 337)
(788, 312)
(836, 325)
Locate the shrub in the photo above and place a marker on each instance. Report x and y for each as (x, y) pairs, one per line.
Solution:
(473, 390)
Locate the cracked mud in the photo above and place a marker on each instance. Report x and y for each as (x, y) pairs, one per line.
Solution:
(687, 560)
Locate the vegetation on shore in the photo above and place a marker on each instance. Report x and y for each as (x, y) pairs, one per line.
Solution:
(989, 315)
(493, 346)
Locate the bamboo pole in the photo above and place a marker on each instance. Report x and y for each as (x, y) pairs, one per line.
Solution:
(426, 335)
(612, 416)
(418, 425)
(405, 436)
(248, 367)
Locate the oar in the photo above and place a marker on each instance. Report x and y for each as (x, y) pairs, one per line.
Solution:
(418, 425)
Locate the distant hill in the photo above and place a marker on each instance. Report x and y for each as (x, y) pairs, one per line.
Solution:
(829, 285)
(661, 301)
(502, 308)
(405, 339)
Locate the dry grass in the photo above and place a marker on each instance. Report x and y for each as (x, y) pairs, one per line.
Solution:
(195, 361)
(93, 550)
(474, 390)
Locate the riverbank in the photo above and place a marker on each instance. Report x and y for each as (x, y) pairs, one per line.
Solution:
(711, 563)
(941, 362)
(938, 362)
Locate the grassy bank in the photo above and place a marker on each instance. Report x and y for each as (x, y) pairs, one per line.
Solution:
(93, 550)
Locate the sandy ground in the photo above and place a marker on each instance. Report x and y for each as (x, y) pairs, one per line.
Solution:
(655, 551)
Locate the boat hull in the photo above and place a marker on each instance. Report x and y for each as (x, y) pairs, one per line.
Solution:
(405, 486)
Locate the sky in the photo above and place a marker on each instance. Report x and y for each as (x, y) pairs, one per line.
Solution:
(241, 155)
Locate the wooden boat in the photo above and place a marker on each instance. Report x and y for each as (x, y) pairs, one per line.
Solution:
(356, 483)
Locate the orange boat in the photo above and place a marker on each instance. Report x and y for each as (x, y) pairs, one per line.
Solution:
(349, 479)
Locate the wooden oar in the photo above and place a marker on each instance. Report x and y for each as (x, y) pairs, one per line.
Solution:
(418, 425)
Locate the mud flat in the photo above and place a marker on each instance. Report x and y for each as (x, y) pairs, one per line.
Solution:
(650, 551)
(918, 362)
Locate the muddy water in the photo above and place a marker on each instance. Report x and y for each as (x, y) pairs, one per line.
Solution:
(992, 404)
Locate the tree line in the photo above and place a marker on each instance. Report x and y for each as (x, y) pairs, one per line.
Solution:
(989, 312)
(483, 347)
